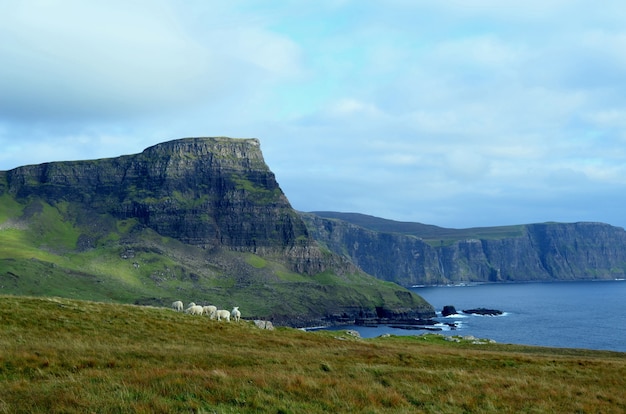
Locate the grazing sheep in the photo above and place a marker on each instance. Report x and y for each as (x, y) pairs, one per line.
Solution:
(177, 306)
(223, 314)
(209, 310)
(194, 310)
(236, 314)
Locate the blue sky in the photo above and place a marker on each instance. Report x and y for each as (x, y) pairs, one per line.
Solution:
(454, 113)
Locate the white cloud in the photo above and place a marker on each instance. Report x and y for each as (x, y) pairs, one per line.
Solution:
(125, 58)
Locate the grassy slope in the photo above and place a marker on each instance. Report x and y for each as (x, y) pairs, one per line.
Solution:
(130, 264)
(60, 355)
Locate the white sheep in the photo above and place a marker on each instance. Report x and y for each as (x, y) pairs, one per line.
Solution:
(223, 314)
(209, 310)
(236, 314)
(194, 310)
(177, 306)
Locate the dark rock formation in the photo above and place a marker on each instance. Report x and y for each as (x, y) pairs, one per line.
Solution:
(483, 311)
(532, 252)
(448, 310)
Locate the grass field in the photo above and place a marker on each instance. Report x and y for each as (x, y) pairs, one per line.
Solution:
(69, 356)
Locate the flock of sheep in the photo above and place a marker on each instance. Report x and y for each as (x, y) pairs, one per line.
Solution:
(209, 310)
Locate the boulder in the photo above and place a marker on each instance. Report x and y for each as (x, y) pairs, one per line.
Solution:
(448, 310)
(264, 325)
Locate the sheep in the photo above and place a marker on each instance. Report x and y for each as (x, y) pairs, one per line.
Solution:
(236, 314)
(194, 310)
(177, 306)
(209, 310)
(223, 314)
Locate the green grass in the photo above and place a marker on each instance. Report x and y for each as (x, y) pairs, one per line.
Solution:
(67, 356)
(256, 261)
(9, 208)
(258, 194)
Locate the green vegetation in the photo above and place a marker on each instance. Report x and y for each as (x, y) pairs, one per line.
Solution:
(67, 356)
(9, 208)
(256, 261)
(254, 192)
(127, 263)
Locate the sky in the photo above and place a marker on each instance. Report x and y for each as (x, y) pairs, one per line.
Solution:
(457, 113)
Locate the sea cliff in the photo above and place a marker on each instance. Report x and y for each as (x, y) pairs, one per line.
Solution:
(395, 251)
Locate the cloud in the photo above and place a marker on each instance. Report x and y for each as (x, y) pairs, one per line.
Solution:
(80, 59)
(448, 113)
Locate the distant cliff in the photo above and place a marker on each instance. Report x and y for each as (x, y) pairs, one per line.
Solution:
(197, 218)
(533, 252)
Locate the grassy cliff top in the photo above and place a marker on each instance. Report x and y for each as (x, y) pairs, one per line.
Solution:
(431, 234)
(60, 355)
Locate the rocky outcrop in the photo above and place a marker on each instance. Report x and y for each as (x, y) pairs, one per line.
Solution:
(483, 312)
(264, 324)
(448, 310)
(536, 252)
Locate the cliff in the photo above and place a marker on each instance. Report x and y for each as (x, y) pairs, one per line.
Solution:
(204, 192)
(534, 252)
(196, 218)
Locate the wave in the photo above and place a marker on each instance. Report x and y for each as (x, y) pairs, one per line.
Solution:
(457, 315)
(469, 315)
(454, 315)
(444, 327)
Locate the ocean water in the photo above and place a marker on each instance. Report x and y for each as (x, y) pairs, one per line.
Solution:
(589, 315)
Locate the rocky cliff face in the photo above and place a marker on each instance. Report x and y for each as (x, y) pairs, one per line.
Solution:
(550, 251)
(202, 191)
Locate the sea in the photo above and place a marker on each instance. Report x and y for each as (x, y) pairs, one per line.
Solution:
(580, 314)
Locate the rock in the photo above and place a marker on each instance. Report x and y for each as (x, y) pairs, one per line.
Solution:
(483, 311)
(264, 325)
(448, 310)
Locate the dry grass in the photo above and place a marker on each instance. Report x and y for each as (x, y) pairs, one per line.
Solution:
(64, 356)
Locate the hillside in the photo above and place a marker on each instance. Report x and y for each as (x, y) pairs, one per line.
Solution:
(195, 219)
(418, 254)
(67, 356)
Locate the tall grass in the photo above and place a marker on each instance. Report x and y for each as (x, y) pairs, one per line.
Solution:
(59, 355)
